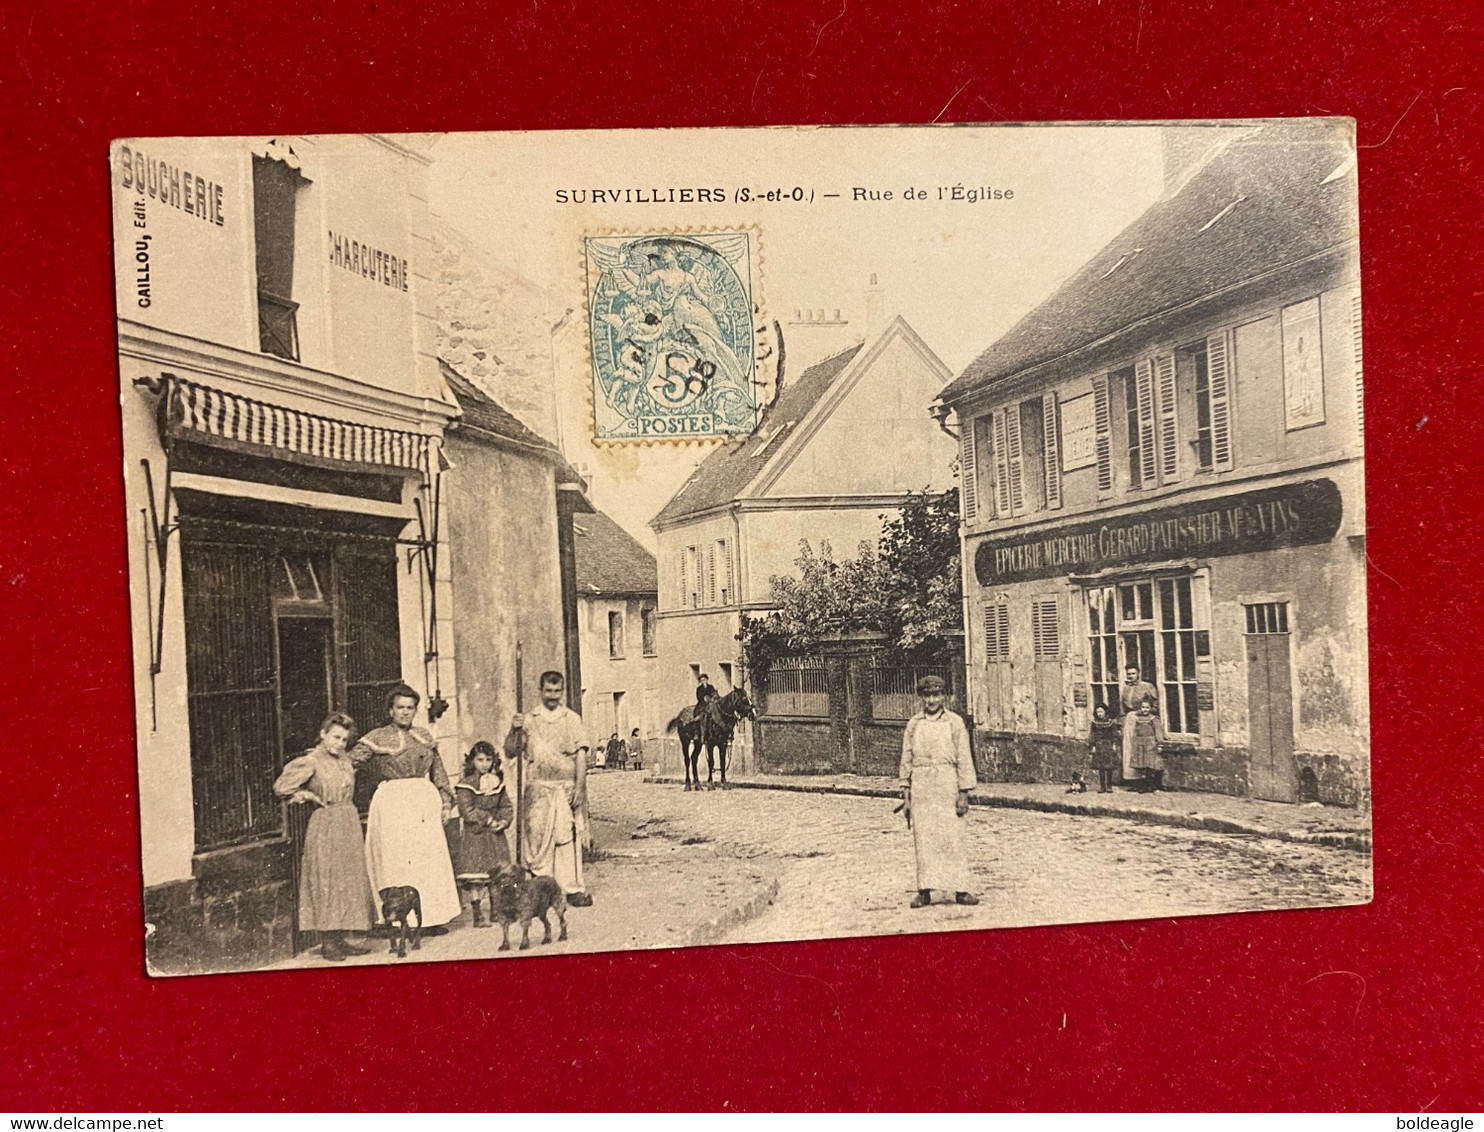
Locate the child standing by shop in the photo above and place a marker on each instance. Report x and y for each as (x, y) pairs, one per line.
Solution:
(1105, 745)
(485, 812)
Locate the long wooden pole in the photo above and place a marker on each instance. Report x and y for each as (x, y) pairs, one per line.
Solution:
(520, 760)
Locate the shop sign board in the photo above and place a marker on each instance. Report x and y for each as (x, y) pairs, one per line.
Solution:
(1298, 514)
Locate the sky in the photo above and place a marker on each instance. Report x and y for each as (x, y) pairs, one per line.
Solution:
(961, 271)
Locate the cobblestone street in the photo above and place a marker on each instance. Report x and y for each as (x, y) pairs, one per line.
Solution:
(844, 865)
(673, 868)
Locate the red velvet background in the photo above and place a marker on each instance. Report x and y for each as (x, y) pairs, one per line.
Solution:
(1369, 1008)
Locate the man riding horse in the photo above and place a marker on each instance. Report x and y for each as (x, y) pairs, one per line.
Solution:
(710, 724)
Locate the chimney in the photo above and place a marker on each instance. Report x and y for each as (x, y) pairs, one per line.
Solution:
(875, 308)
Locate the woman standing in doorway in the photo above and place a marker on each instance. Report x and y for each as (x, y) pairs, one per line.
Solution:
(334, 891)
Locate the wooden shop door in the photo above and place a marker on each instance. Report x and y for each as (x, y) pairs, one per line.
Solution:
(1273, 775)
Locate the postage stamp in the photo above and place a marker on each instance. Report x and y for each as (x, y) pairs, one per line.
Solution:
(671, 335)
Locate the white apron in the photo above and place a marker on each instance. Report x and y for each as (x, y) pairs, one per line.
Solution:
(405, 845)
(553, 847)
(937, 830)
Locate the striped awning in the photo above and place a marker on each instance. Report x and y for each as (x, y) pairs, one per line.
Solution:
(199, 412)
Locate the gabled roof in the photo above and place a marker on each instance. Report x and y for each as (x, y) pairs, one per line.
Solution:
(610, 560)
(486, 419)
(1265, 201)
(730, 469)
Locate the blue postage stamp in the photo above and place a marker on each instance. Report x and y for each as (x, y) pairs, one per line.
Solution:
(671, 329)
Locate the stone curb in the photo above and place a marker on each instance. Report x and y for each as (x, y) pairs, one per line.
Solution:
(1355, 842)
(713, 929)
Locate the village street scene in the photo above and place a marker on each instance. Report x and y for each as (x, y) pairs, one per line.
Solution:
(521, 562)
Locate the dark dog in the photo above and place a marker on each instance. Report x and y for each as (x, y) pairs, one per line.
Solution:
(516, 893)
(397, 904)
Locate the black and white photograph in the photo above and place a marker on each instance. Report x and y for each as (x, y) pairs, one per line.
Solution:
(589, 541)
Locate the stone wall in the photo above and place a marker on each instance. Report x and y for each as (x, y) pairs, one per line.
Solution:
(236, 914)
(1005, 757)
(796, 746)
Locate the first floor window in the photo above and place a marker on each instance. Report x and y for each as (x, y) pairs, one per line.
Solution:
(615, 635)
(646, 628)
(1102, 646)
(1177, 655)
(1148, 625)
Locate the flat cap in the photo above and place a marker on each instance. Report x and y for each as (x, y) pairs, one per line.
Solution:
(931, 685)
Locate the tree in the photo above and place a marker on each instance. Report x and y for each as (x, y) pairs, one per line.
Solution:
(920, 554)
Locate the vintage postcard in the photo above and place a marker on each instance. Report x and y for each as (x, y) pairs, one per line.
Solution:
(587, 541)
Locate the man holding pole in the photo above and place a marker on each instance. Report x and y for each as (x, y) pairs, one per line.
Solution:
(552, 760)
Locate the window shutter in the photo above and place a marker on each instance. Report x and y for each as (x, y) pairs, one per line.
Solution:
(1046, 628)
(1144, 386)
(968, 488)
(1218, 378)
(1015, 457)
(1355, 362)
(1001, 466)
(684, 581)
(1103, 424)
(1052, 451)
(711, 574)
(1169, 426)
(724, 567)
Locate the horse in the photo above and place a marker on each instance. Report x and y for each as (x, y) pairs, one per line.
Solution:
(711, 727)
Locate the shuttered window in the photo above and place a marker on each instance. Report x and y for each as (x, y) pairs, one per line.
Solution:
(997, 632)
(1169, 424)
(1001, 465)
(1015, 458)
(1142, 468)
(1103, 426)
(724, 593)
(682, 579)
(1219, 398)
(711, 574)
(967, 472)
(1051, 451)
(1046, 628)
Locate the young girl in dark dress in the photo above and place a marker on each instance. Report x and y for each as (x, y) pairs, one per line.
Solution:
(1105, 745)
(485, 812)
(1145, 756)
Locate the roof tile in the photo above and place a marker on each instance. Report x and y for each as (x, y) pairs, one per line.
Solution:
(1259, 204)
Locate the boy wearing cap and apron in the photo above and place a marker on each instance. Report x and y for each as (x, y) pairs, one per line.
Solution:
(937, 773)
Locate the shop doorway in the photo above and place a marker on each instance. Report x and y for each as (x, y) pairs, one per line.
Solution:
(305, 694)
(1273, 775)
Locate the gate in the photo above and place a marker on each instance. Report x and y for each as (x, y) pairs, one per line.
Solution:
(842, 709)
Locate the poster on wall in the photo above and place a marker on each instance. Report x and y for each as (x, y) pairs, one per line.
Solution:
(1079, 433)
(1303, 365)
